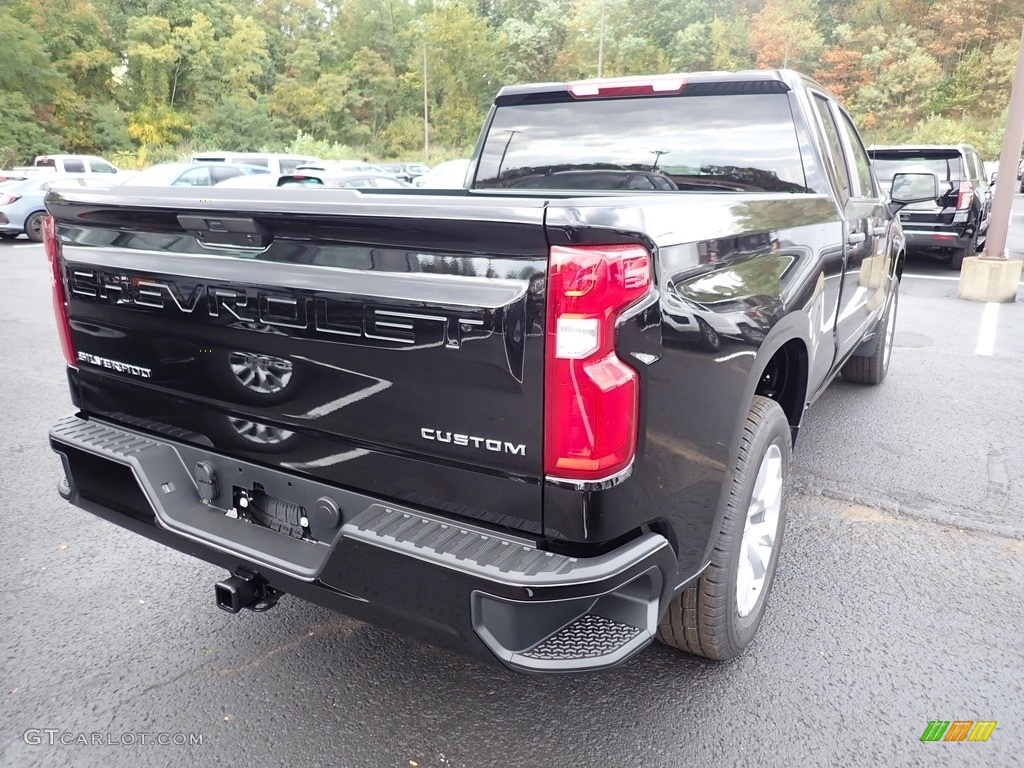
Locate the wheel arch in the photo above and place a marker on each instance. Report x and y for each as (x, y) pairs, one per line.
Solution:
(788, 351)
(787, 343)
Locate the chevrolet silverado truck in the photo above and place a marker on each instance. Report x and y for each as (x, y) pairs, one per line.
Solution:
(543, 419)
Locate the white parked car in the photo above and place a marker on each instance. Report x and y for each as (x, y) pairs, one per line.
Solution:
(276, 163)
(74, 164)
(447, 175)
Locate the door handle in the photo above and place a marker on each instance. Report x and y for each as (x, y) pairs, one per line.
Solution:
(855, 238)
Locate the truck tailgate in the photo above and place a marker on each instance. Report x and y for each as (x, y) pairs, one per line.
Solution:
(366, 341)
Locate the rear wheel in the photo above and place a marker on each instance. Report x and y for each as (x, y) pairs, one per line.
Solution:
(34, 226)
(871, 368)
(719, 616)
(956, 261)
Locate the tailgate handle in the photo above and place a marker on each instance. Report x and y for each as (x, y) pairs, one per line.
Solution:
(227, 232)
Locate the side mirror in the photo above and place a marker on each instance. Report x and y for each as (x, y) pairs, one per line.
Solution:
(992, 181)
(914, 188)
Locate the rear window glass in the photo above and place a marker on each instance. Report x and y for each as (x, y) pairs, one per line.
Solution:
(689, 143)
(46, 162)
(300, 181)
(289, 164)
(946, 166)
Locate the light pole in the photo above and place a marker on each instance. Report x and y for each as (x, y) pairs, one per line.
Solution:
(600, 44)
(999, 219)
(992, 277)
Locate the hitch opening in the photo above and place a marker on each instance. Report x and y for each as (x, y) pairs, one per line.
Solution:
(243, 589)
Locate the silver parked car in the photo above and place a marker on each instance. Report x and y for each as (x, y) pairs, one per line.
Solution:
(192, 174)
(21, 201)
(329, 178)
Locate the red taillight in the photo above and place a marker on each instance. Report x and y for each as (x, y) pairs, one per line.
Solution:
(60, 309)
(627, 86)
(591, 397)
(963, 198)
(7, 199)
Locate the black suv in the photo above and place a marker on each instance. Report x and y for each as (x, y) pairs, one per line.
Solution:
(952, 226)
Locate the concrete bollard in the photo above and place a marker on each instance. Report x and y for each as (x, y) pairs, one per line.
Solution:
(984, 279)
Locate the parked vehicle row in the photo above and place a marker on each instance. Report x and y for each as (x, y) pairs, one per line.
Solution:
(319, 178)
(282, 165)
(950, 228)
(193, 174)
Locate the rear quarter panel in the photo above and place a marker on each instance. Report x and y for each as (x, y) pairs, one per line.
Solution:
(737, 277)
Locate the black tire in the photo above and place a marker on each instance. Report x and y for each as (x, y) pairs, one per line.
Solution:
(956, 261)
(871, 368)
(705, 619)
(34, 226)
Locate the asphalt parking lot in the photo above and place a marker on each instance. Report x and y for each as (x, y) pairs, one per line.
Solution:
(899, 600)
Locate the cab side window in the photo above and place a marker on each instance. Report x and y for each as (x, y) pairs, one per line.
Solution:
(976, 167)
(864, 180)
(840, 173)
(197, 177)
(219, 174)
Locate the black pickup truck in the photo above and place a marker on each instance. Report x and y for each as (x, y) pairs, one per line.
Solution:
(543, 419)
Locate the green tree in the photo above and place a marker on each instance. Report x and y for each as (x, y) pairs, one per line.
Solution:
(196, 48)
(29, 89)
(151, 59)
(239, 122)
(466, 68)
(785, 34)
(22, 135)
(243, 57)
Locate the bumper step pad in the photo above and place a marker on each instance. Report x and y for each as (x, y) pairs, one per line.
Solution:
(589, 637)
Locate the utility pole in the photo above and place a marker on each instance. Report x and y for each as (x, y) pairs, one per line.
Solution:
(1013, 139)
(426, 116)
(992, 277)
(600, 45)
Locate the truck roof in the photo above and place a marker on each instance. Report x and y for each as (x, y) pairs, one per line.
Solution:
(746, 81)
(920, 147)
